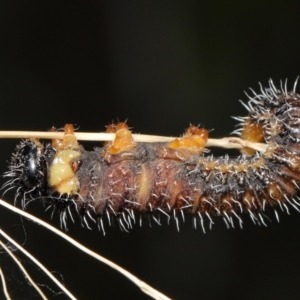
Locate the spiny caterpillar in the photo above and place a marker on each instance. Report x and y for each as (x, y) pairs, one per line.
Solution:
(125, 177)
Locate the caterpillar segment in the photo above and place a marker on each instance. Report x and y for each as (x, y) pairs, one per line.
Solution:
(125, 177)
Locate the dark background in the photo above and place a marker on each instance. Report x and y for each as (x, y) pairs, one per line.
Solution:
(162, 65)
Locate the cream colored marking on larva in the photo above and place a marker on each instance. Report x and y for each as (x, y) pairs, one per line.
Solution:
(61, 175)
(145, 184)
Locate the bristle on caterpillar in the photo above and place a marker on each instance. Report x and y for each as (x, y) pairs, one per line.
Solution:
(169, 179)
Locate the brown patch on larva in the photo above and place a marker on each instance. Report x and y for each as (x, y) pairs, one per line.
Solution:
(284, 170)
(275, 192)
(285, 185)
(293, 149)
(292, 161)
(248, 199)
(74, 165)
(226, 203)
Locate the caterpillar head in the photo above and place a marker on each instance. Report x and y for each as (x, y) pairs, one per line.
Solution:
(28, 170)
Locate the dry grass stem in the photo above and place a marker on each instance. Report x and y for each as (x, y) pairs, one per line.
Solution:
(228, 142)
(142, 285)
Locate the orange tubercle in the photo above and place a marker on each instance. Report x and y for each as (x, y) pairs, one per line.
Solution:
(113, 128)
(68, 142)
(194, 139)
(56, 143)
(123, 140)
(252, 132)
(195, 130)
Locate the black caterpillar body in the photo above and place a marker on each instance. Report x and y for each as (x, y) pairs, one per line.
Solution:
(146, 180)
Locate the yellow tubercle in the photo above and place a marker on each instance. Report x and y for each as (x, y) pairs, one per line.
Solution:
(62, 169)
